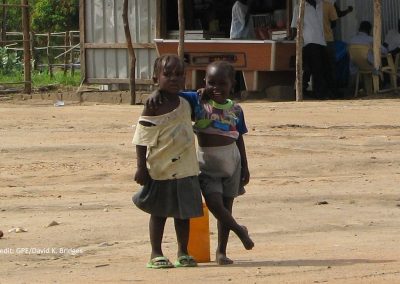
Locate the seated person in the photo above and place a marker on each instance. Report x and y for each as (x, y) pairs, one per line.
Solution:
(364, 37)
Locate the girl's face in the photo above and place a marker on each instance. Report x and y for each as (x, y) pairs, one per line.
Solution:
(171, 78)
(218, 84)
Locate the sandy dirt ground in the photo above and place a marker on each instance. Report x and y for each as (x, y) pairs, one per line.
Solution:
(322, 205)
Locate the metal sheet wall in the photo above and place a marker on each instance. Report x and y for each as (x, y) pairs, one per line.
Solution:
(103, 24)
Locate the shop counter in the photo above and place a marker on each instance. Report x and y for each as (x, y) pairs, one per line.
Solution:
(255, 58)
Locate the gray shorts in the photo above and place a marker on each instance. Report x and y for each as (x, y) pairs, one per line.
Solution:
(220, 170)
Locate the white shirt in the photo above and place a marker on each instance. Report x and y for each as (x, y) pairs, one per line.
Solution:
(313, 30)
(392, 38)
(171, 151)
(238, 28)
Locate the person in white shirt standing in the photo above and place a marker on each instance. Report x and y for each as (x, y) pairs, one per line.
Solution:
(242, 23)
(363, 37)
(315, 57)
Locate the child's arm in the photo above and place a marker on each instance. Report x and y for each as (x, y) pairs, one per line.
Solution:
(193, 99)
(142, 173)
(245, 174)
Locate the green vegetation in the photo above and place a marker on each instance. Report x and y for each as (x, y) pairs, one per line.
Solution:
(46, 16)
(10, 62)
(43, 78)
(13, 17)
(57, 15)
(11, 70)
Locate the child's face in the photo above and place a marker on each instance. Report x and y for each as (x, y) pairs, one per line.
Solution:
(218, 84)
(171, 78)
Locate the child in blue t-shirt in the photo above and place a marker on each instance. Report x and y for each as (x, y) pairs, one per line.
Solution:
(219, 126)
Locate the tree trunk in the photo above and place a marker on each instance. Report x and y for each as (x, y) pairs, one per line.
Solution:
(49, 55)
(181, 19)
(289, 11)
(3, 24)
(299, 52)
(66, 42)
(27, 47)
(131, 54)
(377, 33)
(377, 40)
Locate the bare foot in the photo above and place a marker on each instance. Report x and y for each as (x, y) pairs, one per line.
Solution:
(245, 238)
(222, 259)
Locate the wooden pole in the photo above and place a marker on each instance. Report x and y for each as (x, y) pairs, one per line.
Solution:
(299, 52)
(27, 47)
(66, 44)
(289, 10)
(181, 19)
(71, 55)
(3, 24)
(377, 40)
(82, 41)
(49, 58)
(158, 18)
(131, 53)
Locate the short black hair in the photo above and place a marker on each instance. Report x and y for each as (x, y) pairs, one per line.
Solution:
(365, 26)
(163, 60)
(226, 66)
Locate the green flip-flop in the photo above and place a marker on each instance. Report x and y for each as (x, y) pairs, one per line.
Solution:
(159, 262)
(185, 261)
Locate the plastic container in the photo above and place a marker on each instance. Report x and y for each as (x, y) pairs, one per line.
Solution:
(199, 237)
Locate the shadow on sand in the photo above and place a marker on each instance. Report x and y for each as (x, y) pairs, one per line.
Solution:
(300, 262)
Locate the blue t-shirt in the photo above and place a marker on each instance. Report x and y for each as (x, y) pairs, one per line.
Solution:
(213, 118)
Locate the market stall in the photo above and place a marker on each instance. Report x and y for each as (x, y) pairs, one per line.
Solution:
(207, 26)
(207, 23)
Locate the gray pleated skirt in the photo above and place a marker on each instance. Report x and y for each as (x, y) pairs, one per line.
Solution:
(178, 198)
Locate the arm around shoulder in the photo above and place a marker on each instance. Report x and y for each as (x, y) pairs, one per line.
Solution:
(154, 100)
